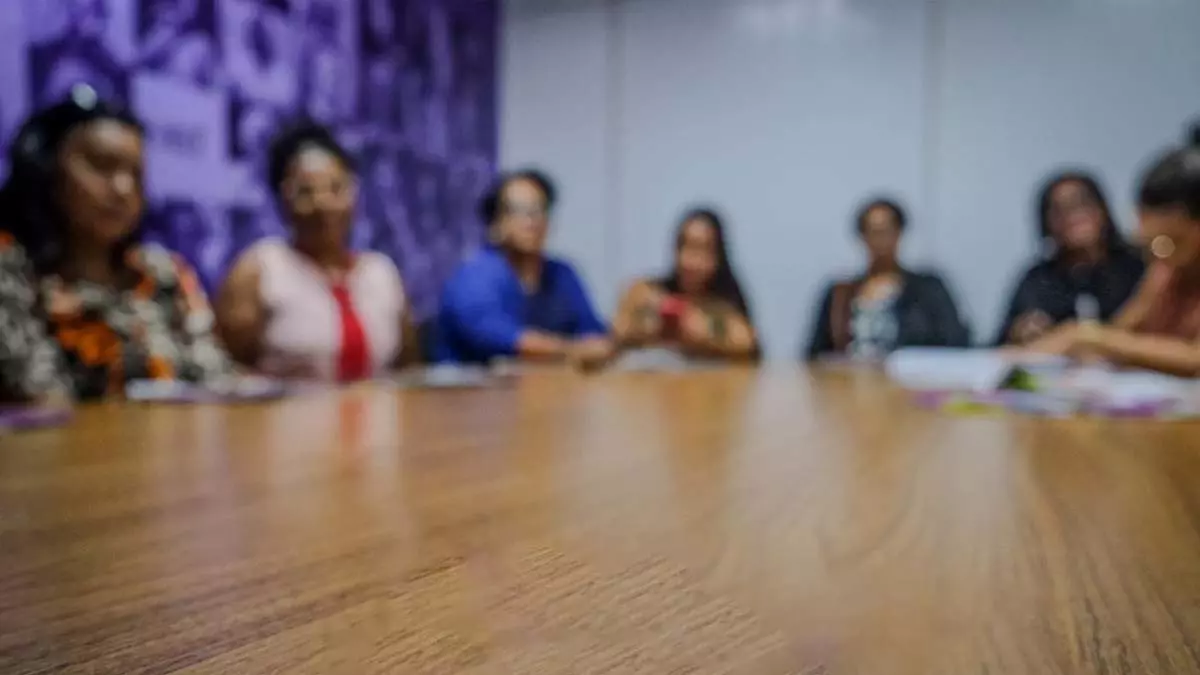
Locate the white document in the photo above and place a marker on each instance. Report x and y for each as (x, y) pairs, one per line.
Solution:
(949, 369)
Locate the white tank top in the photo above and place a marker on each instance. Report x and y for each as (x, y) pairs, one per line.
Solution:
(307, 324)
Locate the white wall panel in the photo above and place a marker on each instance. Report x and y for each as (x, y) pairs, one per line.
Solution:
(784, 122)
(553, 101)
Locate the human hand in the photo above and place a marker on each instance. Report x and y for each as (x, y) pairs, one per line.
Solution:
(645, 323)
(591, 353)
(1029, 326)
(1087, 337)
(699, 332)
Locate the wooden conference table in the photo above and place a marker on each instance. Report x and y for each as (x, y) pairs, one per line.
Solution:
(774, 522)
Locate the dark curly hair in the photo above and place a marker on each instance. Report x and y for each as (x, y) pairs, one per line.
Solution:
(29, 198)
(293, 140)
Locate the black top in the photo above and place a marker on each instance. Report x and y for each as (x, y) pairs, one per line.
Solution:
(1052, 288)
(926, 316)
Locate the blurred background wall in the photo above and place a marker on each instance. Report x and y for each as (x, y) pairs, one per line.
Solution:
(410, 85)
(787, 113)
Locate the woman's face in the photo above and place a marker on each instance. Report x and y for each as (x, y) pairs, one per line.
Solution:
(881, 233)
(100, 184)
(319, 195)
(1171, 236)
(523, 220)
(1075, 217)
(696, 259)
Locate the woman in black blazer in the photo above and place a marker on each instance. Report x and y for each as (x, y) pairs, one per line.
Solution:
(888, 306)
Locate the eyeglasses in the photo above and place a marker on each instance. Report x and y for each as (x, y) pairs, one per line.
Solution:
(525, 211)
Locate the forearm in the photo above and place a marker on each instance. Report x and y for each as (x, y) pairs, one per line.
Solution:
(728, 335)
(637, 326)
(1056, 342)
(536, 345)
(1163, 354)
(410, 343)
(243, 342)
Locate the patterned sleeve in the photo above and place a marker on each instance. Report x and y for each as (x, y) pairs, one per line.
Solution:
(202, 358)
(30, 363)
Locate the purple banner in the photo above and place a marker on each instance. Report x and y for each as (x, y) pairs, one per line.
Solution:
(410, 85)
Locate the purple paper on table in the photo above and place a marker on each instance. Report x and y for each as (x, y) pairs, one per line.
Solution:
(32, 417)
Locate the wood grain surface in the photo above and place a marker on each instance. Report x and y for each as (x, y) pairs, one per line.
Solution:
(760, 523)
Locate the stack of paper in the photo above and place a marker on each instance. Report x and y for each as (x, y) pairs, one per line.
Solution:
(936, 369)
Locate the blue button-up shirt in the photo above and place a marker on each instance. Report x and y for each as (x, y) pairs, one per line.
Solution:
(485, 308)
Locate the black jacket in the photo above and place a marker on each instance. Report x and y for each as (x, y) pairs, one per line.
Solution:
(925, 313)
(1051, 288)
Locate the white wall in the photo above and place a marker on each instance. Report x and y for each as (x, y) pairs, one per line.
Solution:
(787, 113)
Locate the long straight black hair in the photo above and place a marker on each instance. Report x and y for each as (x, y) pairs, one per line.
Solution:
(30, 202)
(723, 284)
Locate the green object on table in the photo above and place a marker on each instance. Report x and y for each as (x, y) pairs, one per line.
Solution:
(1020, 380)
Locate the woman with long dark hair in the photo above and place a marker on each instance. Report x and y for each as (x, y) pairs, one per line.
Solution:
(1159, 328)
(1090, 268)
(84, 306)
(888, 306)
(698, 307)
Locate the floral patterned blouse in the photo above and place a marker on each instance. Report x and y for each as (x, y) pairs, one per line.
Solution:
(86, 341)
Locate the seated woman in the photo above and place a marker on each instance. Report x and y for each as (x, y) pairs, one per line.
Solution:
(84, 307)
(309, 307)
(1089, 262)
(698, 308)
(1159, 328)
(510, 299)
(889, 306)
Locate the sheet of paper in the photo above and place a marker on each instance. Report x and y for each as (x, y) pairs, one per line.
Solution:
(233, 390)
(447, 376)
(926, 369)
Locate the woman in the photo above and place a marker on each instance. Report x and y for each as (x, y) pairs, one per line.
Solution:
(511, 299)
(1159, 328)
(84, 306)
(889, 306)
(698, 308)
(1091, 267)
(309, 307)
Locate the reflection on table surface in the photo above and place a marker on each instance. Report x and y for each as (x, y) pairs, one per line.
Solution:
(735, 521)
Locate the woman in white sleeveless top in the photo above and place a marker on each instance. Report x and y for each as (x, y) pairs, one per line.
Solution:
(311, 308)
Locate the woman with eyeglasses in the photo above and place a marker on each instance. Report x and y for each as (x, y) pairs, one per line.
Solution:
(512, 301)
(698, 307)
(84, 305)
(1159, 327)
(1090, 268)
(309, 307)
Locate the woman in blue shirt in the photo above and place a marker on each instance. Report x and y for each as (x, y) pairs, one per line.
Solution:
(509, 300)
